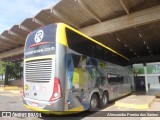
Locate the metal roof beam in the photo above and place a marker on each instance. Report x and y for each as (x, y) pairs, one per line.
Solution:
(4, 47)
(124, 6)
(12, 52)
(13, 38)
(22, 38)
(38, 21)
(64, 18)
(5, 44)
(89, 10)
(146, 16)
(9, 40)
(16, 29)
(25, 28)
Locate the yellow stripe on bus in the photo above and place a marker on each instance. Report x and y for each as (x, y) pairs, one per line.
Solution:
(39, 57)
(61, 36)
(71, 111)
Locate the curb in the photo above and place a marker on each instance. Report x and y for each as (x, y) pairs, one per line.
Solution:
(12, 91)
(15, 91)
(136, 105)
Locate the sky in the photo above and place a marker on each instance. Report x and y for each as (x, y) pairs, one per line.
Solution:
(13, 12)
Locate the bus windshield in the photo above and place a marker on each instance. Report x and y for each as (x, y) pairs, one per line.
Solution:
(41, 42)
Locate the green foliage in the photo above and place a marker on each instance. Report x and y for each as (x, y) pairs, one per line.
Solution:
(3, 67)
(15, 69)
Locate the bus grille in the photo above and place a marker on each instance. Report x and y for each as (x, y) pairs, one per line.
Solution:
(38, 71)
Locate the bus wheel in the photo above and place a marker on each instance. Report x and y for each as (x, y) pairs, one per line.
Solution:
(93, 103)
(104, 100)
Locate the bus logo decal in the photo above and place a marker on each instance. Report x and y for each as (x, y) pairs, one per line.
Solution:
(26, 87)
(39, 88)
(39, 36)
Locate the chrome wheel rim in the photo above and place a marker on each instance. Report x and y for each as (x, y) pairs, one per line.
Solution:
(94, 103)
(104, 100)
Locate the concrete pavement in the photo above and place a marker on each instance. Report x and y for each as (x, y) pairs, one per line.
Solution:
(13, 89)
(10, 100)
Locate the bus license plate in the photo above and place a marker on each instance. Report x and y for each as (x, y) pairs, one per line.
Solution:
(34, 104)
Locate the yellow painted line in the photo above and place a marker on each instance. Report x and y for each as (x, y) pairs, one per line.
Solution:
(11, 88)
(1, 89)
(152, 100)
(15, 91)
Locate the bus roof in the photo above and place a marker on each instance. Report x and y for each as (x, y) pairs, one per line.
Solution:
(63, 25)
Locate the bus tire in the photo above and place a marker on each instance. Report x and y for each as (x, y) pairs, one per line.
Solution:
(104, 100)
(93, 103)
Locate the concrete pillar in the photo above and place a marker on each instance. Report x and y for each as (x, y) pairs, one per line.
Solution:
(146, 80)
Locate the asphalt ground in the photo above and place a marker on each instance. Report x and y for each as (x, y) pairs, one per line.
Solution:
(10, 100)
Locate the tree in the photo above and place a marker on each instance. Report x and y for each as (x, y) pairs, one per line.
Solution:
(14, 71)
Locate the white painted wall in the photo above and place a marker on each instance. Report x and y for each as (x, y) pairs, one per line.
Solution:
(153, 79)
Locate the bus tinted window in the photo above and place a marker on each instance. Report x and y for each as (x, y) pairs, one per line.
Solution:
(79, 43)
(41, 42)
(115, 80)
(85, 46)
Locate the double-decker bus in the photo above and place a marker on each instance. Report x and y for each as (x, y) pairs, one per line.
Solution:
(65, 70)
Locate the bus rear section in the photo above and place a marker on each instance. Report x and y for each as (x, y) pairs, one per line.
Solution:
(64, 70)
(42, 88)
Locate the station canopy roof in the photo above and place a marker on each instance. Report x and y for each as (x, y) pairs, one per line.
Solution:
(131, 27)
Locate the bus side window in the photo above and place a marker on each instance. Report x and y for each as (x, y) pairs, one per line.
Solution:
(116, 80)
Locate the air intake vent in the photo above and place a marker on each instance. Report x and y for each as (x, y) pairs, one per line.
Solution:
(38, 71)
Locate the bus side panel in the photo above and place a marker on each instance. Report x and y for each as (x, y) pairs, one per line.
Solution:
(120, 80)
(86, 75)
(60, 74)
(73, 94)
